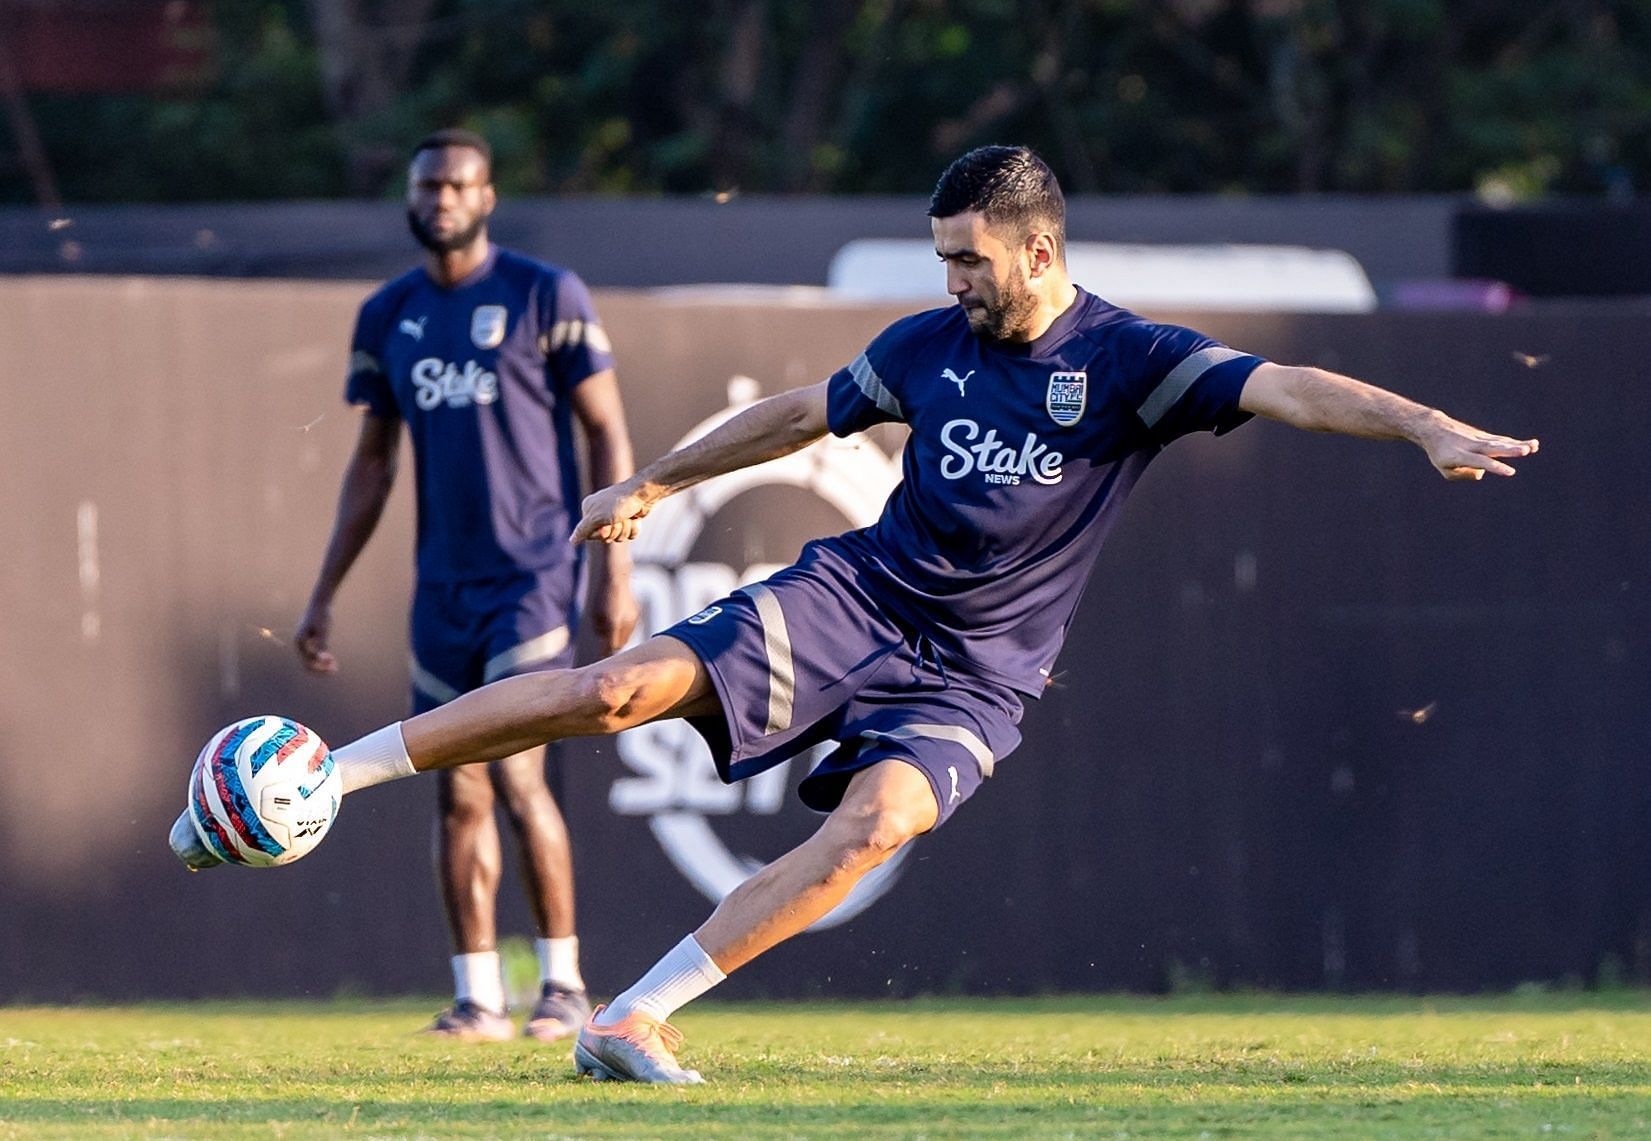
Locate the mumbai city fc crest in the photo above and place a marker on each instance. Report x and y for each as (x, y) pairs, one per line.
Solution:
(1068, 395)
(487, 325)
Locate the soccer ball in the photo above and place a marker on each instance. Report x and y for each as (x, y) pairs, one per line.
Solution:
(263, 792)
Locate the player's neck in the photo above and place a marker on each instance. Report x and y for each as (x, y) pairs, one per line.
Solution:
(450, 267)
(1055, 298)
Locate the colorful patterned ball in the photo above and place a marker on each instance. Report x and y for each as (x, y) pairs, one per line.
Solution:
(263, 792)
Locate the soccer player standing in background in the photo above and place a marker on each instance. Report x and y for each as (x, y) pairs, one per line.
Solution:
(489, 358)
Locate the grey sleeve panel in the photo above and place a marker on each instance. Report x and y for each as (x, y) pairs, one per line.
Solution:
(1180, 379)
(872, 385)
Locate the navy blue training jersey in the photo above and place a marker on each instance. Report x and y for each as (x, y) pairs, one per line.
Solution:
(1019, 460)
(482, 373)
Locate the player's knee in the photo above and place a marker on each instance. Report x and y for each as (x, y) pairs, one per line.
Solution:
(865, 837)
(883, 809)
(606, 694)
(620, 695)
(524, 806)
(465, 799)
(893, 826)
(518, 780)
(528, 804)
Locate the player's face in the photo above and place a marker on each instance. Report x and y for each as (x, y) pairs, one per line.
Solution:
(449, 198)
(989, 276)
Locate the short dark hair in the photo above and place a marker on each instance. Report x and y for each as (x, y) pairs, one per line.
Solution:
(1005, 185)
(455, 137)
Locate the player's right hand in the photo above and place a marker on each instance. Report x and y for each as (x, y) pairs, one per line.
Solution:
(613, 515)
(314, 628)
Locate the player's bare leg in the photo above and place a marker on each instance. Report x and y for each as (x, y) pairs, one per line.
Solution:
(659, 678)
(469, 859)
(884, 807)
(547, 874)
(546, 856)
(468, 866)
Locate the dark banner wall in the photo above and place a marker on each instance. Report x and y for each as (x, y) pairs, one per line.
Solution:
(1563, 248)
(640, 242)
(1324, 720)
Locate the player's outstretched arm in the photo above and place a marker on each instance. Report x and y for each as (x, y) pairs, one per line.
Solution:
(765, 431)
(1321, 401)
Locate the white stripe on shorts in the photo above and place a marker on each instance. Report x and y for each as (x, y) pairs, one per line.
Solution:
(429, 684)
(529, 653)
(1181, 378)
(776, 641)
(954, 733)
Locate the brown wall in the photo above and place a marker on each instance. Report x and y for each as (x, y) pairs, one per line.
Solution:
(1224, 785)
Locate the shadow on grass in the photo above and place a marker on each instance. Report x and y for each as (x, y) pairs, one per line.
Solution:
(914, 1094)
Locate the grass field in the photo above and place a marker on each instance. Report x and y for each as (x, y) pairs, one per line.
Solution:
(1526, 1065)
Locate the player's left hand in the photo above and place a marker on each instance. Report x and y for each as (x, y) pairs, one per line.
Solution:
(1462, 452)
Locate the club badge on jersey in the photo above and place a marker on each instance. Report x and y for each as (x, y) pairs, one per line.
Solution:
(1067, 397)
(487, 326)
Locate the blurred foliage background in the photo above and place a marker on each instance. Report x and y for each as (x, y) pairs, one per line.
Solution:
(321, 98)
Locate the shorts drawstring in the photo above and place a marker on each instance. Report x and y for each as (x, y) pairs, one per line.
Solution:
(929, 654)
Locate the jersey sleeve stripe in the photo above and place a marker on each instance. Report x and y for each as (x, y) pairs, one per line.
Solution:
(872, 385)
(1180, 379)
(529, 653)
(953, 733)
(572, 334)
(362, 361)
(776, 640)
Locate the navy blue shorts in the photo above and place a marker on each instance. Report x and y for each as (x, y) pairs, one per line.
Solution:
(466, 634)
(808, 656)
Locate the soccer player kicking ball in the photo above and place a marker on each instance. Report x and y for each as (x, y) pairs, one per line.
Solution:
(1033, 407)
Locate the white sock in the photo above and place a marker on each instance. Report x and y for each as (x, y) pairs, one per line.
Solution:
(478, 978)
(374, 759)
(559, 962)
(685, 973)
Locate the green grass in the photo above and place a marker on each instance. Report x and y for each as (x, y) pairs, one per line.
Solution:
(1528, 1065)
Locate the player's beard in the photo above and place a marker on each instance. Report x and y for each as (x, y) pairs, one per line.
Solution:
(1010, 316)
(457, 240)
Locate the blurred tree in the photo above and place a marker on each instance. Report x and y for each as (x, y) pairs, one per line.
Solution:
(366, 50)
(322, 97)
